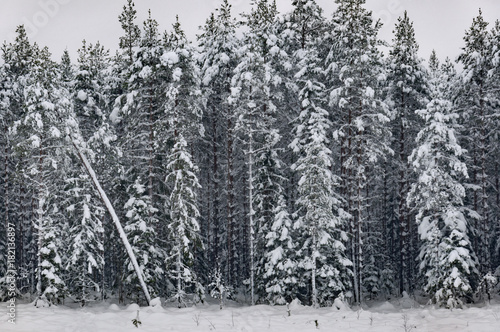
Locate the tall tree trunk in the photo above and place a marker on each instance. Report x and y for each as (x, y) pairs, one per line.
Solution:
(403, 245)
(250, 215)
(151, 148)
(40, 233)
(179, 274)
(230, 201)
(485, 259)
(314, 290)
(215, 203)
(359, 220)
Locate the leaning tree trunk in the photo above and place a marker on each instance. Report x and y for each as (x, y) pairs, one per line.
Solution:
(114, 216)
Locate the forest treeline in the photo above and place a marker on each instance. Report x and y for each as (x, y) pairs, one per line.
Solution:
(280, 157)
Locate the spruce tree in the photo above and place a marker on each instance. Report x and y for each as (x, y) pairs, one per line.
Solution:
(219, 43)
(85, 257)
(131, 30)
(494, 141)
(447, 259)
(17, 203)
(474, 99)
(90, 88)
(299, 30)
(184, 124)
(84, 229)
(355, 74)
(5, 177)
(184, 227)
(141, 232)
(38, 139)
(256, 93)
(138, 111)
(406, 93)
(320, 216)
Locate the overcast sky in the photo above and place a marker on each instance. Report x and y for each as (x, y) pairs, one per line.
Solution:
(61, 24)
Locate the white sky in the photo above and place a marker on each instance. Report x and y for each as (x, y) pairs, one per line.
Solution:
(61, 24)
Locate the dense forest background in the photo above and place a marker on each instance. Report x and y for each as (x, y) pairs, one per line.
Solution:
(282, 156)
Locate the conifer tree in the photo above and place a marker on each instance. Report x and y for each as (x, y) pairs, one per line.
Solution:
(141, 108)
(184, 123)
(5, 176)
(85, 257)
(299, 30)
(474, 99)
(138, 110)
(184, 227)
(406, 93)
(131, 30)
(447, 259)
(255, 95)
(66, 69)
(354, 74)
(90, 87)
(17, 204)
(85, 213)
(494, 78)
(280, 266)
(38, 135)
(320, 215)
(217, 61)
(141, 232)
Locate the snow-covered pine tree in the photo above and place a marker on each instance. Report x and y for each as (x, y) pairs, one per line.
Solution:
(447, 259)
(295, 32)
(66, 69)
(255, 91)
(433, 64)
(494, 76)
(406, 93)
(141, 232)
(91, 101)
(280, 266)
(117, 92)
(473, 98)
(138, 110)
(5, 178)
(299, 29)
(131, 30)
(141, 107)
(18, 201)
(37, 140)
(354, 78)
(183, 88)
(85, 239)
(303, 25)
(183, 114)
(321, 218)
(183, 227)
(218, 42)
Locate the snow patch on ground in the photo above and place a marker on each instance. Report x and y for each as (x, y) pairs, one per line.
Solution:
(378, 317)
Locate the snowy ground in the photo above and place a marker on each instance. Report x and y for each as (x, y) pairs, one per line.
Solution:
(381, 317)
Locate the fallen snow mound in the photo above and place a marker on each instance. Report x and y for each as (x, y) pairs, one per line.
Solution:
(385, 307)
